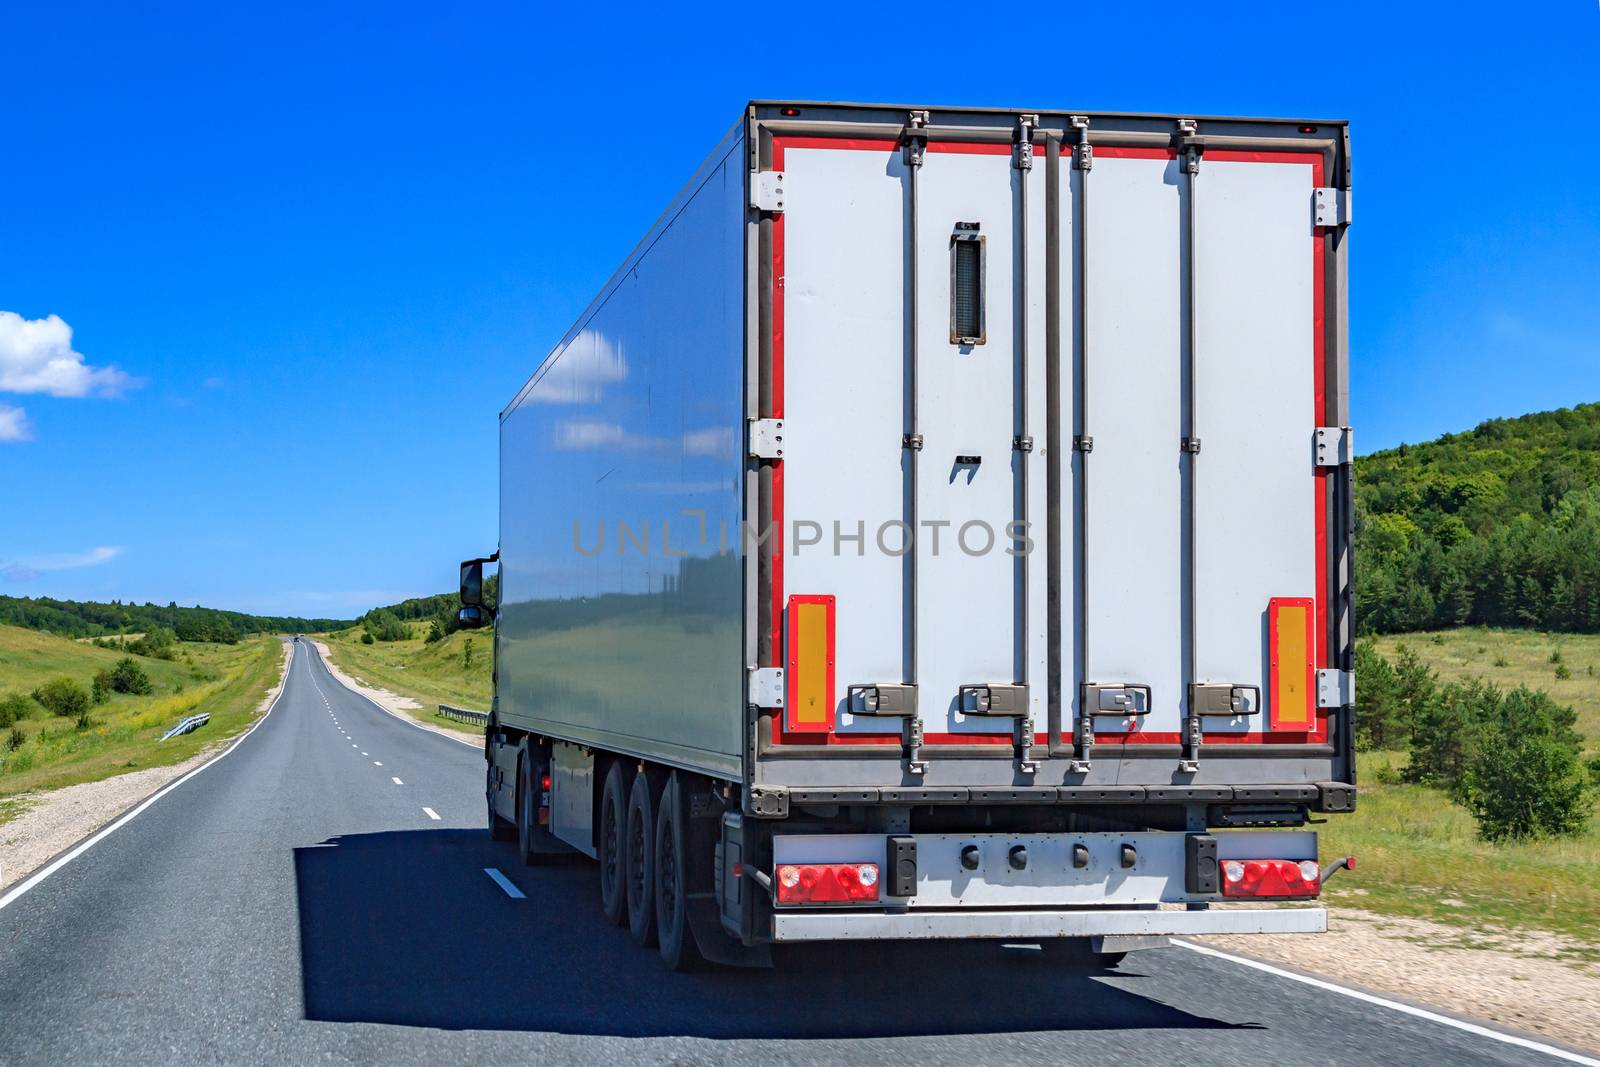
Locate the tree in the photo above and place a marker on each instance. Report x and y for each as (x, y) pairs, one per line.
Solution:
(1521, 785)
(14, 708)
(1380, 711)
(64, 697)
(128, 677)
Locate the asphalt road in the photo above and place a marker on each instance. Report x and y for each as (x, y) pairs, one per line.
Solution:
(297, 901)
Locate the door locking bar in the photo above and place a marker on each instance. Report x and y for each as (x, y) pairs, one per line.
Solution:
(892, 700)
(1123, 699)
(1004, 701)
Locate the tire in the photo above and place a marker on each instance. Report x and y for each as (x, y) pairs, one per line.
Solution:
(499, 829)
(613, 856)
(674, 938)
(640, 849)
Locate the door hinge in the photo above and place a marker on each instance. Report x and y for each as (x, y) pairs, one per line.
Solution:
(1022, 443)
(766, 439)
(766, 190)
(1190, 444)
(766, 687)
(1022, 151)
(1330, 207)
(1083, 151)
(1335, 689)
(1083, 443)
(1334, 446)
(912, 441)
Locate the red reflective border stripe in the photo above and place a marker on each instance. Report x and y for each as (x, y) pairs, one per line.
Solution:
(1319, 348)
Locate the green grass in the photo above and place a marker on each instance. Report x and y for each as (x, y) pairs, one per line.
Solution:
(226, 681)
(429, 674)
(1416, 850)
(1473, 652)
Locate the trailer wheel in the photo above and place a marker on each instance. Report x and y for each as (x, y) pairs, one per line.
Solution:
(613, 836)
(499, 829)
(640, 849)
(676, 940)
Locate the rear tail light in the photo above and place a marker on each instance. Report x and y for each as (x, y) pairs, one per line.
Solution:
(827, 883)
(1271, 879)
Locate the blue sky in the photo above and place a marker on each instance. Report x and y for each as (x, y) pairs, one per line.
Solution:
(323, 245)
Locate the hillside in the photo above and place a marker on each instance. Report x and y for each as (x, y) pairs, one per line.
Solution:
(76, 618)
(46, 751)
(1499, 526)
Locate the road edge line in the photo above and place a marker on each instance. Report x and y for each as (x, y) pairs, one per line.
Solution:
(13, 894)
(1477, 1029)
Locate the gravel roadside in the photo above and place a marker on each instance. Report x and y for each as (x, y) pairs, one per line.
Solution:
(1526, 981)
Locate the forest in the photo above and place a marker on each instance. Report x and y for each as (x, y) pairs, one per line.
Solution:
(1498, 526)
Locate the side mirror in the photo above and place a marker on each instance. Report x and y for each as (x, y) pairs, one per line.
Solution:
(470, 618)
(471, 586)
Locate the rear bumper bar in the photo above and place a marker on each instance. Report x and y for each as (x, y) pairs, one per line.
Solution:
(1025, 925)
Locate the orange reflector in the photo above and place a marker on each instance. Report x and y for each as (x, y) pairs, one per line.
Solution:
(808, 699)
(1293, 704)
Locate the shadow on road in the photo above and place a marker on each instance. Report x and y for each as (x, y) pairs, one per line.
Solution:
(404, 928)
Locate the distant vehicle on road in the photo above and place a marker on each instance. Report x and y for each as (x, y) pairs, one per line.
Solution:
(940, 527)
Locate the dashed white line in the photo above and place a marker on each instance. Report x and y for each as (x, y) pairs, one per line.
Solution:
(363, 753)
(396, 781)
(430, 813)
(375, 763)
(504, 883)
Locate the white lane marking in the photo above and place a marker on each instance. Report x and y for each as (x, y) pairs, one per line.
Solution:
(430, 813)
(504, 883)
(375, 763)
(354, 745)
(87, 843)
(402, 718)
(1407, 1009)
(396, 781)
(363, 753)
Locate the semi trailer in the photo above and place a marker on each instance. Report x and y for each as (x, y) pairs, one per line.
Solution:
(940, 526)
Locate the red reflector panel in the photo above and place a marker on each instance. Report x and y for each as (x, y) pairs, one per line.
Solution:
(1271, 879)
(827, 883)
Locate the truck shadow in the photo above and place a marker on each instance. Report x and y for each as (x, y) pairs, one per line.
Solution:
(404, 928)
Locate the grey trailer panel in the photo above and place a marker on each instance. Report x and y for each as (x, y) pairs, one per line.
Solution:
(620, 620)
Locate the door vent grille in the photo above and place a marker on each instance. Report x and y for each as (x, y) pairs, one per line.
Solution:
(966, 285)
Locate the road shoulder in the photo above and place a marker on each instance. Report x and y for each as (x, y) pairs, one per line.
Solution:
(1529, 982)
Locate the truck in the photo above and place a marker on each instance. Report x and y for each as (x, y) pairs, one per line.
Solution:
(940, 527)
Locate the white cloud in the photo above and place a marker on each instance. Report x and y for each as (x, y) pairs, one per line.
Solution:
(589, 364)
(36, 356)
(14, 424)
(27, 568)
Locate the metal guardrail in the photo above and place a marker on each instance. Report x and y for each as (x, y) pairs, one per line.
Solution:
(466, 715)
(193, 722)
